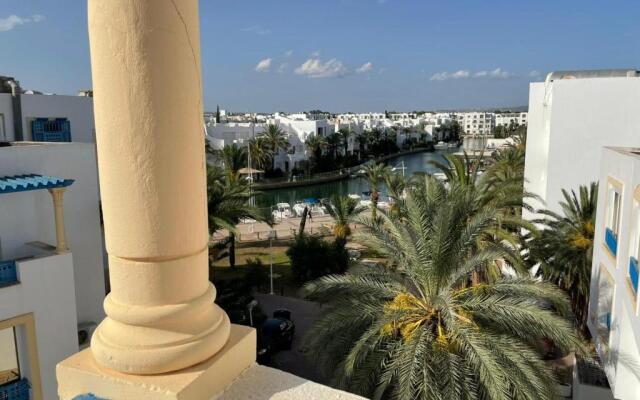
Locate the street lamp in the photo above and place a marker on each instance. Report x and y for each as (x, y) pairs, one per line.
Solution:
(272, 235)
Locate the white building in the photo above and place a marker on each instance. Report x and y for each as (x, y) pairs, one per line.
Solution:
(613, 306)
(49, 294)
(506, 119)
(41, 117)
(476, 123)
(571, 117)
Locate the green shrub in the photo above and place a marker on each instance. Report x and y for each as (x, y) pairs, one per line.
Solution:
(312, 257)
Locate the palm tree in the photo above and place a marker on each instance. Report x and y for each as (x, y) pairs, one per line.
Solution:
(333, 142)
(343, 210)
(228, 203)
(275, 139)
(233, 157)
(259, 153)
(396, 185)
(315, 144)
(374, 173)
(345, 134)
(564, 249)
(419, 328)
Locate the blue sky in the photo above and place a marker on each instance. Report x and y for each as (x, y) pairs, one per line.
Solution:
(349, 55)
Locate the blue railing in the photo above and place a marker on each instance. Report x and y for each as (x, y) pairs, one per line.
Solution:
(633, 273)
(51, 130)
(612, 241)
(8, 274)
(18, 390)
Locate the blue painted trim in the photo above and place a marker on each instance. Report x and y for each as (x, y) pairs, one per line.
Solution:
(633, 273)
(8, 273)
(612, 241)
(88, 396)
(24, 183)
(17, 390)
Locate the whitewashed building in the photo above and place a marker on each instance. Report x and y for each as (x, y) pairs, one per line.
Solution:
(613, 307)
(52, 281)
(571, 117)
(41, 117)
(506, 119)
(476, 123)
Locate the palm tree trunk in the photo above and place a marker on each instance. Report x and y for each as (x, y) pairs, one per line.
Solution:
(303, 221)
(374, 204)
(232, 250)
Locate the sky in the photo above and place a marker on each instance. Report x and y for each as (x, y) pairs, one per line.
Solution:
(349, 55)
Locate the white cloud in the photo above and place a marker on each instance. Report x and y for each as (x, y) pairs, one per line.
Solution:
(443, 76)
(10, 22)
(264, 65)
(288, 53)
(364, 68)
(283, 68)
(500, 74)
(258, 30)
(315, 68)
(315, 54)
(497, 73)
(534, 74)
(382, 71)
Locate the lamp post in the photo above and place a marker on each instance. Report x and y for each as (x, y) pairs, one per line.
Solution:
(272, 235)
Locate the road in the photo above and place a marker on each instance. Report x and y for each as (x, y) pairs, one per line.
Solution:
(303, 313)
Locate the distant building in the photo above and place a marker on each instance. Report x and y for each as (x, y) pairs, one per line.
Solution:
(506, 119)
(476, 123)
(47, 292)
(613, 306)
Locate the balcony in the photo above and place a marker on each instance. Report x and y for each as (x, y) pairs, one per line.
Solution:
(8, 274)
(633, 274)
(17, 390)
(611, 241)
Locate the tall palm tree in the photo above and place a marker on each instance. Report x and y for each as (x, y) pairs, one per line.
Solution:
(374, 174)
(345, 134)
(275, 139)
(343, 210)
(396, 185)
(315, 144)
(564, 249)
(228, 203)
(420, 329)
(333, 142)
(259, 153)
(233, 157)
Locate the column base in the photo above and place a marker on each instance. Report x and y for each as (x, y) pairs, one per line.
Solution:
(81, 374)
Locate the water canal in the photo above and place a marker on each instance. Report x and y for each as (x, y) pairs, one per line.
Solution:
(416, 162)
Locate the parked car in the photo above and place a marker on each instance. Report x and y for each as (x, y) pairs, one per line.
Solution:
(275, 334)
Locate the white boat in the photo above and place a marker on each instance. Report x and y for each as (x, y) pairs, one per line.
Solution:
(441, 146)
(282, 211)
(384, 205)
(298, 208)
(355, 196)
(317, 210)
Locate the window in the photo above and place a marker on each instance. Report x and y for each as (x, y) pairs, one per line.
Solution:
(614, 202)
(3, 133)
(606, 289)
(634, 245)
(51, 130)
(9, 368)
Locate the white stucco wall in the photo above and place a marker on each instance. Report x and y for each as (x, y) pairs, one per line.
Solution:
(625, 322)
(78, 109)
(46, 290)
(28, 216)
(6, 110)
(565, 137)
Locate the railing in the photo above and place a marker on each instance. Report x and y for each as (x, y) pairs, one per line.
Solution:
(8, 274)
(18, 390)
(612, 241)
(633, 273)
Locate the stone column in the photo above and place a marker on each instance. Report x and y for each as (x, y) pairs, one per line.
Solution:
(145, 59)
(57, 194)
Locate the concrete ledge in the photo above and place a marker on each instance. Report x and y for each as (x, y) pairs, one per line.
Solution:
(80, 374)
(263, 383)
